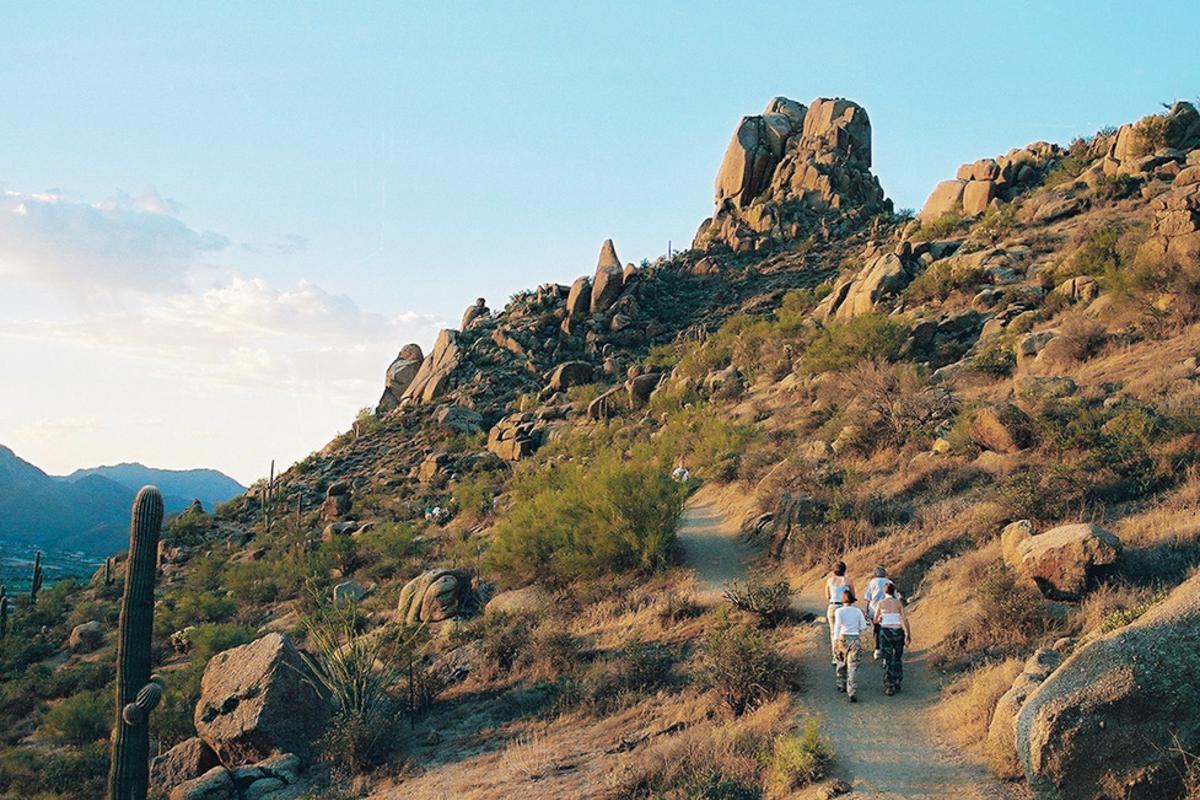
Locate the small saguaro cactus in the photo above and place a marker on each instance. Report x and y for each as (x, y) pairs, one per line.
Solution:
(138, 692)
(35, 585)
(3, 612)
(108, 571)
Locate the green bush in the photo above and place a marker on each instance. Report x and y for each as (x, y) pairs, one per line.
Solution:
(942, 279)
(841, 345)
(571, 521)
(476, 493)
(743, 667)
(80, 719)
(939, 228)
(63, 774)
(800, 760)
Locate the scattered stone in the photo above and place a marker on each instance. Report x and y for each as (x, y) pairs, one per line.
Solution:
(433, 469)
(459, 419)
(571, 373)
(348, 592)
(337, 501)
(1035, 388)
(1011, 538)
(187, 760)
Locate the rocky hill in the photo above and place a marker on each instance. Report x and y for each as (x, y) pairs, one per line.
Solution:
(996, 400)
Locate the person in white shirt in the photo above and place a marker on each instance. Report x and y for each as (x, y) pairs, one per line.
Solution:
(873, 594)
(849, 623)
(835, 585)
(893, 633)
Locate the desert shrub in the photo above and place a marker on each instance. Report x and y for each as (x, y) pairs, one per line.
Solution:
(551, 651)
(343, 553)
(899, 403)
(794, 312)
(80, 719)
(942, 279)
(1162, 290)
(1071, 166)
(365, 422)
(743, 667)
(1099, 254)
(800, 760)
(389, 547)
(503, 639)
(189, 528)
(997, 221)
(356, 671)
(635, 668)
(475, 494)
(1149, 134)
(995, 357)
(1117, 187)
(1122, 617)
(939, 228)
(841, 345)
(572, 521)
(1083, 337)
(966, 705)
(708, 442)
(66, 773)
(1011, 606)
(769, 602)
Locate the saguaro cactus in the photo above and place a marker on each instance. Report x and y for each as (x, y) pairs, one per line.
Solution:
(108, 571)
(35, 585)
(138, 692)
(3, 612)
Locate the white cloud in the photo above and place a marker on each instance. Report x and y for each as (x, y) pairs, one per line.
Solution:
(122, 243)
(247, 333)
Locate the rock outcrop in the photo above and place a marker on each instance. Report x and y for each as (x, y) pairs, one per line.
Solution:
(433, 379)
(435, 596)
(990, 180)
(258, 700)
(1001, 737)
(884, 277)
(399, 377)
(1115, 719)
(1002, 429)
(476, 311)
(86, 637)
(274, 777)
(1066, 561)
(788, 167)
(189, 759)
(608, 281)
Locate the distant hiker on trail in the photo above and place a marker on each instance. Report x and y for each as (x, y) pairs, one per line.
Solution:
(680, 474)
(848, 627)
(892, 634)
(873, 594)
(836, 585)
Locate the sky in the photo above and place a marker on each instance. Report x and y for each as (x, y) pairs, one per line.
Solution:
(219, 222)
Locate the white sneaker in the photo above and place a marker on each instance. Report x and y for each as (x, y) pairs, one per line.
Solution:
(877, 655)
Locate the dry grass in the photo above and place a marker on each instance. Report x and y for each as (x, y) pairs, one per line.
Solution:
(966, 706)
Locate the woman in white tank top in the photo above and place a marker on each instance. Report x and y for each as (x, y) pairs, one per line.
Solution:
(893, 634)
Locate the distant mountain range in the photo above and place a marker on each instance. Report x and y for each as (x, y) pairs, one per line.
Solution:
(88, 510)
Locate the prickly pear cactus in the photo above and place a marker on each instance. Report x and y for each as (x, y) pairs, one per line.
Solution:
(138, 692)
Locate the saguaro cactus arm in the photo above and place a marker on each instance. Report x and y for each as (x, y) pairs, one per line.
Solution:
(146, 701)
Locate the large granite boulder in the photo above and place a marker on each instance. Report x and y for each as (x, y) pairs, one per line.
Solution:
(1001, 737)
(435, 596)
(609, 279)
(570, 373)
(1116, 718)
(258, 700)
(476, 311)
(1066, 561)
(883, 277)
(579, 298)
(946, 198)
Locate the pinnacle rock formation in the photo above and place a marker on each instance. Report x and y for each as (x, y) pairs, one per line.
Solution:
(788, 168)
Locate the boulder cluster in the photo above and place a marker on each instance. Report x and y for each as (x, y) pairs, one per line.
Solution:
(787, 169)
(990, 181)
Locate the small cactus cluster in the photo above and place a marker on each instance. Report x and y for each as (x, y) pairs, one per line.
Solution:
(39, 575)
(138, 692)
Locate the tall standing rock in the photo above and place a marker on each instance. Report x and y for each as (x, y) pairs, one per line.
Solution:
(579, 298)
(137, 691)
(400, 375)
(433, 378)
(609, 280)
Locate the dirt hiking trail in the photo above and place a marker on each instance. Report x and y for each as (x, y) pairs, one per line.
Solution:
(886, 747)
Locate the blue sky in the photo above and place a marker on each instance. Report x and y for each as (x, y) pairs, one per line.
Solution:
(243, 212)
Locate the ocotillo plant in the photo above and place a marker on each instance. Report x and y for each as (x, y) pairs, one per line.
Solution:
(138, 692)
(35, 585)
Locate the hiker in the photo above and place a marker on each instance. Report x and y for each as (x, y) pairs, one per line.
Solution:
(835, 586)
(848, 626)
(892, 635)
(873, 594)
